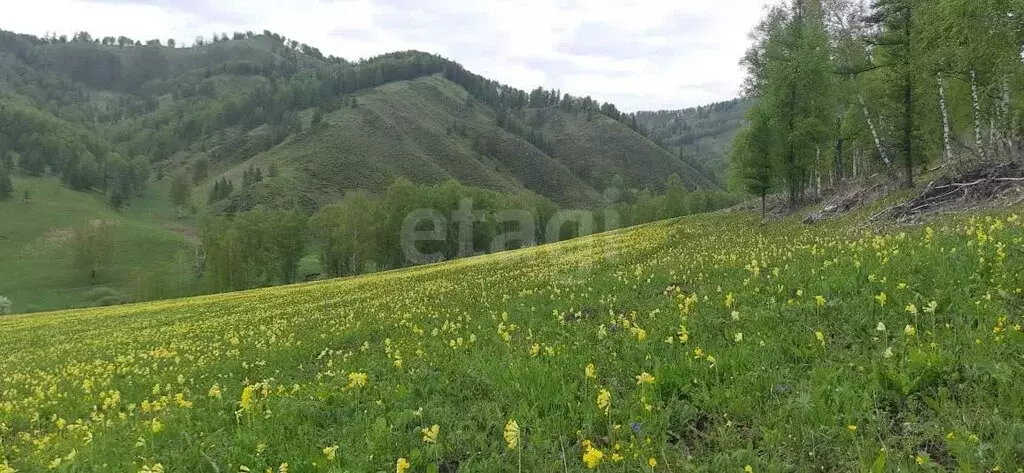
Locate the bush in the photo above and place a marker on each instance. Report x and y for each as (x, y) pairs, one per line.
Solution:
(5, 305)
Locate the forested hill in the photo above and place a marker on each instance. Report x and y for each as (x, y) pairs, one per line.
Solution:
(135, 170)
(95, 110)
(701, 134)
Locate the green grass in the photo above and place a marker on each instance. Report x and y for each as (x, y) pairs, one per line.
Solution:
(605, 148)
(35, 252)
(401, 130)
(825, 377)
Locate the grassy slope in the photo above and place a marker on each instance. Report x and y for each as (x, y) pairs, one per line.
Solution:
(605, 148)
(400, 130)
(812, 385)
(38, 270)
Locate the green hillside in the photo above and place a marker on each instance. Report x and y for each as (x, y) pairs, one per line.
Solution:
(404, 129)
(37, 257)
(97, 128)
(704, 134)
(705, 344)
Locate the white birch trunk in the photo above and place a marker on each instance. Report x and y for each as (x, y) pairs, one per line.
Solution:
(947, 150)
(817, 174)
(856, 157)
(976, 107)
(874, 132)
(1007, 120)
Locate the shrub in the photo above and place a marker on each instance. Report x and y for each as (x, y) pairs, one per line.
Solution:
(5, 305)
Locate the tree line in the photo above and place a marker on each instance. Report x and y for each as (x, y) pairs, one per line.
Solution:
(843, 88)
(364, 232)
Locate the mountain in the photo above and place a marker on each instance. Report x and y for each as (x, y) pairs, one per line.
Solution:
(254, 98)
(703, 134)
(97, 129)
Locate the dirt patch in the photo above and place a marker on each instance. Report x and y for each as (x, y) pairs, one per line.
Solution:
(58, 236)
(188, 232)
(987, 184)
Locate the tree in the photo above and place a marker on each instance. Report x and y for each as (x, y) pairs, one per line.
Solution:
(345, 234)
(676, 204)
(180, 188)
(6, 187)
(171, 43)
(93, 247)
(751, 156)
(789, 71)
(895, 38)
(200, 168)
(317, 120)
(6, 306)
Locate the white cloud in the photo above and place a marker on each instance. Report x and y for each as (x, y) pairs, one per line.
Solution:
(645, 54)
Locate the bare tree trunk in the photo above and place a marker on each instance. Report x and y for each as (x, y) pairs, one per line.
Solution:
(976, 107)
(874, 132)
(947, 151)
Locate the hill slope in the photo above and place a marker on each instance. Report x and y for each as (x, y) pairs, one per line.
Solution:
(710, 343)
(39, 271)
(114, 119)
(704, 133)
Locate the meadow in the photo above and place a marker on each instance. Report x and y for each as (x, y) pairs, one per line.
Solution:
(708, 343)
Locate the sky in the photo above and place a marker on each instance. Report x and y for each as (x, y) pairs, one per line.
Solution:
(639, 55)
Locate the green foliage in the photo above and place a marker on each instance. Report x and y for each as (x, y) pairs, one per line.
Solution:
(752, 155)
(6, 306)
(222, 189)
(855, 91)
(703, 135)
(200, 168)
(252, 249)
(720, 344)
(93, 247)
(6, 186)
(181, 188)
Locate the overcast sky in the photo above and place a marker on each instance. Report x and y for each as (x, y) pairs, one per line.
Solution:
(639, 55)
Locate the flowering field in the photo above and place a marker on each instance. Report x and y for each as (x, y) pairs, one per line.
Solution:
(704, 344)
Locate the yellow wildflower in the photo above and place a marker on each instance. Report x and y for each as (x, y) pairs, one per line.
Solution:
(357, 380)
(331, 452)
(652, 462)
(214, 391)
(820, 300)
(644, 378)
(881, 298)
(910, 330)
(590, 371)
(512, 434)
(246, 402)
(430, 434)
(402, 465)
(604, 401)
(592, 456)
